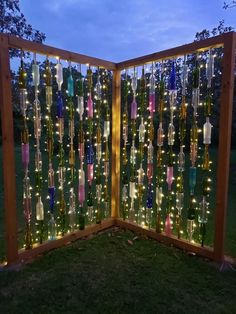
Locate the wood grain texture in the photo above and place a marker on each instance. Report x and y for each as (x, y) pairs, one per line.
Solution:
(196, 46)
(15, 42)
(8, 158)
(226, 111)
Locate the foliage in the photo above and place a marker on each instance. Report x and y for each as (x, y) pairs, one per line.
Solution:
(229, 5)
(220, 29)
(13, 21)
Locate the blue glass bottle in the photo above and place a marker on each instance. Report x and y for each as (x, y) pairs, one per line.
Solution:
(60, 105)
(172, 80)
(51, 192)
(90, 153)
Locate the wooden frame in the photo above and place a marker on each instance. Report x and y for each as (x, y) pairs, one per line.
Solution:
(228, 41)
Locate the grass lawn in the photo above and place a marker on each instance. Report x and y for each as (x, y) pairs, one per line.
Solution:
(115, 273)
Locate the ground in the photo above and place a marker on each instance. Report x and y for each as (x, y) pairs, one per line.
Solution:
(117, 272)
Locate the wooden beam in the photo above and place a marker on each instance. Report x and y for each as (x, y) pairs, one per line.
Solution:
(9, 175)
(226, 110)
(19, 43)
(116, 121)
(170, 240)
(201, 45)
(66, 239)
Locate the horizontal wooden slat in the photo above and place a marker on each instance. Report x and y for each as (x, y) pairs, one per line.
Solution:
(15, 42)
(170, 240)
(68, 238)
(202, 45)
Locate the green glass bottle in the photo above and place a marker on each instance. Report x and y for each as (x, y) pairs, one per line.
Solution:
(90, 78)
(182, 130)
(48, 73)
(191, 215)
(90, 206)
(208, 104)
(143, 92)
(22, 76)
(196, 75)
(62, 212)
(81, 218)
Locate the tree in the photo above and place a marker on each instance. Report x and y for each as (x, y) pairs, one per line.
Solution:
(13, 21)
(220, 29)
(229, 5)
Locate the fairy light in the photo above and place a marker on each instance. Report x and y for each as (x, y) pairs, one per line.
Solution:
(71, 126)
(160, 151)
(150, 149)
(50, 148)
(27, 206)
(61, 163)
(98, 139)
(106, 135)
(38, 156)
(142, 211)
(191, 215)
(89, 147)
(124, 177)
(207, 127)
(181, 155)
(171, 140)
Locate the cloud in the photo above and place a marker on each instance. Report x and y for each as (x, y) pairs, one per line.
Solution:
(118, 30)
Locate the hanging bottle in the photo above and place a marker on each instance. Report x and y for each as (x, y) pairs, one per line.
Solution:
(152, 93)
(172, 87)
(207, 132)
(72, 210)
(168, 223)
(160, 135)
(141, 132)
(170, 170)
(80, 94)
(90, 206)
(107, 126)
(202, 219)
(195, 91)
(210, 68)
(149, 207)
(191, 218)
(90, 162)
(181, 160)
(81, 198)
(150, 162)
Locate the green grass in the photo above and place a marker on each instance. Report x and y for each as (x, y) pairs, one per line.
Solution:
(109, 274)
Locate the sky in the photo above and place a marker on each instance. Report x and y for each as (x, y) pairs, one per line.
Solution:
(117, 30)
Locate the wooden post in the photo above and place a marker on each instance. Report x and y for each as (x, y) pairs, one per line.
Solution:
(9, 179)
(226, 108)
(115, 198)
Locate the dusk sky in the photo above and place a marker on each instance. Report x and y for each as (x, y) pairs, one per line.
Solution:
(118, 29)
